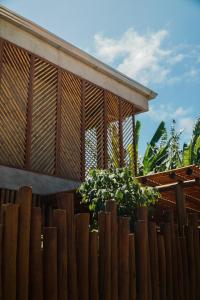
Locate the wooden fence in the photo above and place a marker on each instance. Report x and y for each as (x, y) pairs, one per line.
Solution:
(66, 260)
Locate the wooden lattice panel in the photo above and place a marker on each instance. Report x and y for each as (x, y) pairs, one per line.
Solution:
(113, 130)
(70, 147)
(13, 105)
(94, 139)
(44, 117)
(127, 127)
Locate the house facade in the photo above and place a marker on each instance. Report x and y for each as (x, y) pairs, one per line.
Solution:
(61, 110)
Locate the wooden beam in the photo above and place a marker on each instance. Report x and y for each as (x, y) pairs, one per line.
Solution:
(83, 130)
(58, 122)
(180, 207)
(29, 114)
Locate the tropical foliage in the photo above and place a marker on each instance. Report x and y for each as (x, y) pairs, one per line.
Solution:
(117, 184)
(164, 153)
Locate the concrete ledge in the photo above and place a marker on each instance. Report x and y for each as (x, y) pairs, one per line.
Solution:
(11, 178)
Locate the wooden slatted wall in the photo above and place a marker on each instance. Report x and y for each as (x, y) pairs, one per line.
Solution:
(70, 146)
(56, 123)
(13, 105)
(128, 131)
(113, 146)
(94, 139)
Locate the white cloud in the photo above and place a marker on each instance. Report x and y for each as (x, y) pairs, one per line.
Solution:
(187, 125)
(168, 112)
(147, 58)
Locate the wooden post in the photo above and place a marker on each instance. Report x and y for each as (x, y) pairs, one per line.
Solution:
(50, 263)
(1, 258)
(24, 199)
(93, 266)
(153, 251)
(29, 114)
(105, 255)
(59, 221)
(111, 207)
(82, 251)
(185, 268)
(166, 229)
(191, 261)
(180, 207)
(141, 260)
(180, 268)
(132, 268)
(162, 267)
(123, 258)
(10, 252)
(36, 266)
(66, 201)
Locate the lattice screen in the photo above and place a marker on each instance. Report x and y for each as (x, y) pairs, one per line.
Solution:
(44, 117)
(13, 105)
(113, 130)
(61, 113)
(94, 139)
(127, 127)
(70, 147)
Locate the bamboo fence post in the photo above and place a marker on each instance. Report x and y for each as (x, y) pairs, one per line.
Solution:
(82, 250)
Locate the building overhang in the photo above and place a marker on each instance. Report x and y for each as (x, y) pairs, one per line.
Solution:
(30, 36)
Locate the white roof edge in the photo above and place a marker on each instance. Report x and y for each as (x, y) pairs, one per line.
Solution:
(75, 52)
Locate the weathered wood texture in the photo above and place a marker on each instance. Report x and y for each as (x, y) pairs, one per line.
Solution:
(55, 122)
(70, 261)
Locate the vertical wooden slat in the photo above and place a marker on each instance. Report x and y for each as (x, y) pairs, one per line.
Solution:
(166, 228)
(105, 255)
(67, 202)
(36, 267)
(141, 260)
(132, 268)
(185, 268)
(29, 114)
(82, 250)
(105, 126)
(121, 149)
(111, 207)
(93, 267)
(24, 199)
(162, 267)
(58, 122)
(191, 261)
(59, 221)
(153, 248)
(123, 258)
(50, 263)
(1, 257)
(180, 268)
(83, 131)
(10, 252)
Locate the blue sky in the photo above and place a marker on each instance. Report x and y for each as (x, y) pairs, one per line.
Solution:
(156, 42)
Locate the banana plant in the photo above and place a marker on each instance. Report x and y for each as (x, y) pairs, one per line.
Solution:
(191, 151)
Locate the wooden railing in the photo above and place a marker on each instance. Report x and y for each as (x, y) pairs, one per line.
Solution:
(67, 260)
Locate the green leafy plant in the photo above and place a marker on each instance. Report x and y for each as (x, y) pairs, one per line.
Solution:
(117, 184)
